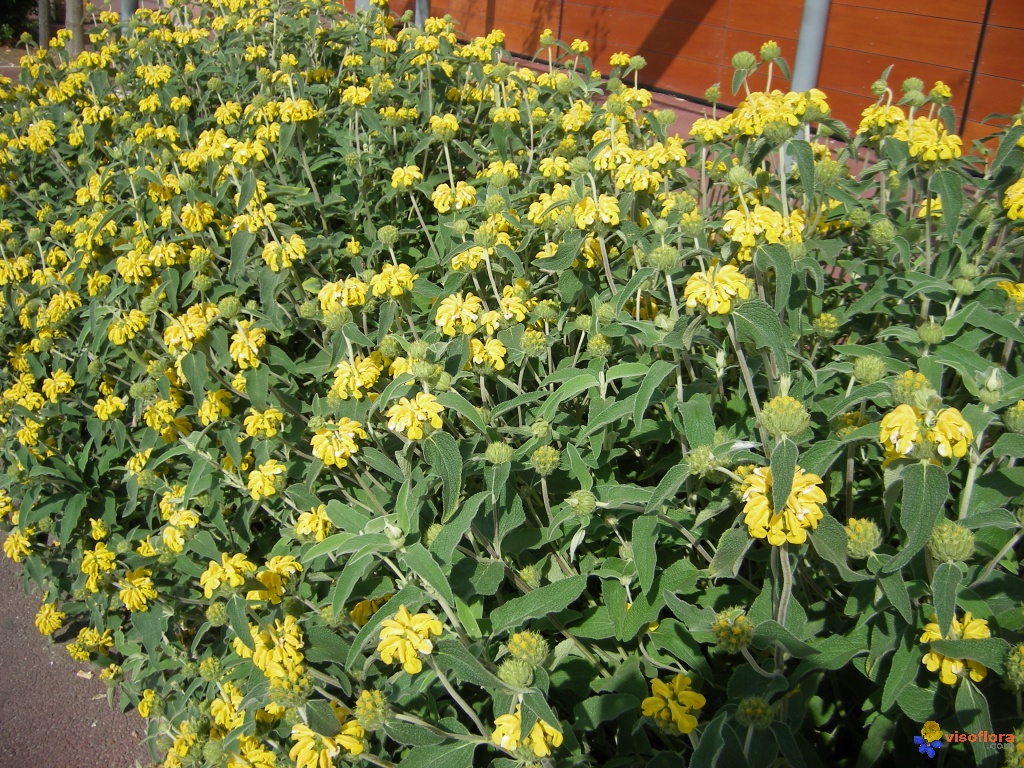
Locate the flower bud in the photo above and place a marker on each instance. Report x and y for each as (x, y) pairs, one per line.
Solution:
(912, 84)
(419, 350)
(498, 453)
(531, 576)
(964, 286)
(951, 542)
(713, 94)
(210, 669)
(516, 672)
(755, 712)
(733, 631)
(545, 460)
(579, 166)
(431, 533)
(336, 317)
(1013, 418)
(862, 538)
(738, 176)
(540, 429)
(692, 225)
(217, 614)
(371, 710)
(1014, 667)
(770, 51)
(582, 323)
(930, 332)
(388, 234)
(637, 62)
(744, 60)
(859, 218)
(701, 461)
(882, 233)
(784, 415)
(582, 503)
(213, 752)
(229, 307)
(443, 380)
(529, 646)
(665, 117)
(914, 99)
(599, 345)
(825, 326)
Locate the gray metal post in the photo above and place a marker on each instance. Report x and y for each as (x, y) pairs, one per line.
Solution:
(810, 44)
(362, 5)
(128, 9)
(422, 13)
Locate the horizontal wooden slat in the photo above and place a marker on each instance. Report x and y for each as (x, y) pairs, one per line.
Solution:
(703, 11)
(1007, 13)
(903, 36)
(1002, 53)
(638, 33)
(768, 20)
(975, 131)
(958, 10)
(994, 95)
(496, 14)
(683, 76)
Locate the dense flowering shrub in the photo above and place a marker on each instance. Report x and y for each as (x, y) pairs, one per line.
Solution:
(368, 395)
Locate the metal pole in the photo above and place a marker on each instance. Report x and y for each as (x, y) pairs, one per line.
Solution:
(128, 9)
(810, 44)
(43, 11)
(362, 5)
(422, 13)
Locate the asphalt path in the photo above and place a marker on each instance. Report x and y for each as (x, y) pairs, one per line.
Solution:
(51, 716)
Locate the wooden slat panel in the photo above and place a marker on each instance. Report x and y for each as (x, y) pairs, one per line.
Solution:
(741, 40)
(529, 13)
(683, 76)
(703, 11)
(975, 131)
(780, 18)
(994, 95)
(639, 33)
(1007, 13)
(854, 71)
(903, 36)
(1002, 53)
(959, 10)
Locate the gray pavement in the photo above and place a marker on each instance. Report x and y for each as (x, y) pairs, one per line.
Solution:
(50, 717)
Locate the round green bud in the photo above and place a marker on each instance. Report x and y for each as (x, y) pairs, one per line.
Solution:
(626, 551)
(150, 304)
(869, 369)
(540, 429)
(546, 310)
(494, 204)
(599, 345)
(423, 370)
(123, 547)
(879, 87)
(778, 131)
(1014, 667)
(984, 213)
(825, 326)
(45, 525)
(217, 614)
(309, 309)
(95, 368)
(202, 283)
(210, 669)
(951, 542)
(582, 503)
(930, 332)
(516, 672)
(443, 380)
(388, 234)
(991, 389)
(754, 712)
(431, 533)
(913, 84)
(336, 317)
(665, 117)
(701, 461)
(1013, 418)
(744, 60)
(732, 630)
(914, 99)
(391, 346)
(582, 323)
(969, 269)
(34, 235)
(862, 538)
(579, 166)
(213, 752)
(419, 350)
(545, 460)
(964, 286)
(140, 390)
(371, 710)
(498, 453)
(713, 94)
(290, 718)
(692, 226)
(531, 576)
(738, 176)
(784, 415)
(637, 62)
(770, 51)
(187, 182)
(528, 646)
(460, 227)
(664, 257)
(351, 159)
(859, 218)
(827, 172)
(882, 233)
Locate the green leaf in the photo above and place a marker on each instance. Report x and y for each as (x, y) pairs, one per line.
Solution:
(729, 556)
(777, 257)
(758, 323)
(783, 465)
(452, 655)
(989, 651)
(239, 620)
(645, 552)
(804, 156)
(654, 376)
(456, 402)
(1010, 445)
(540, 602)
(451, 754)
(949, 187)
(973, 713)
(423, 564)
(442, 454)
(581, 381)
(150, 626)
(669, 485)
(565, 255)
(698, 421)
(596, 710)
(354, 570)
(925, 491)
(829, 541)
(905, 663)
(772, 632)
(895, 589)
(945, 583)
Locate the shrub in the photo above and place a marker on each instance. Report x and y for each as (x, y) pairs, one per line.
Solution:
(368, 393)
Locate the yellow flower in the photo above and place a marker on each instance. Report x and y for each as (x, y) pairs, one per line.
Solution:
(405, 637)
(363, 611)
(931, 731)
(138, 590)
(900, 429)
(263, 423)
(490, 352)
(951, 434)
(336, 443)
(802, 510)
(542, 737)
(408, 416)
(59, 383)
(108, 408)
(579, 46)
(264, 481)
(311, 750)
(393, 280)
(716, 288)
(230, 571)
(619, 60)
(445, 198)
(314, 523)
(406, 176)
(1013, 202)
(49, 619)
(215, 406)
(949, 669)
(95, 562)
(1014, 294)
(145, 706)
(246, 343)
(458, 310)
(671, 704)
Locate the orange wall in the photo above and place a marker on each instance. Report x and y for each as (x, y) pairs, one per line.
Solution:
(688, 44)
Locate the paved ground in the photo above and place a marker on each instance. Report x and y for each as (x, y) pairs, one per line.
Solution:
(49, 716)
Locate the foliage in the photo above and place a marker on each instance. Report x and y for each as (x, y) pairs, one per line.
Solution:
(367, 393)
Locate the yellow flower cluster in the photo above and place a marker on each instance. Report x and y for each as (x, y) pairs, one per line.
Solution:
(408, 417)
(716, 288)
(950, 670)
(407, 636)
(335, 443)
(905, 427)
(672, 704)
(790, 524)
(508, 734)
